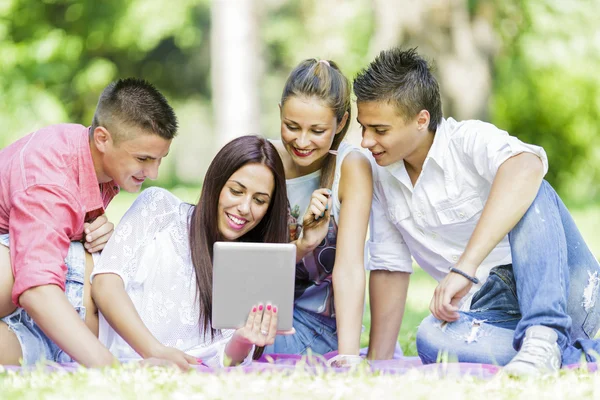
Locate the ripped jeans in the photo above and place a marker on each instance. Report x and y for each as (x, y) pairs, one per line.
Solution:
(553, 281)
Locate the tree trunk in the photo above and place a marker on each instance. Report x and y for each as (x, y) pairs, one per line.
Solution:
(235, 65)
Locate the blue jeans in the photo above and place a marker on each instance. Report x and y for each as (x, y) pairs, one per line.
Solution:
(35, 345)
(313, 331)
(553, 281)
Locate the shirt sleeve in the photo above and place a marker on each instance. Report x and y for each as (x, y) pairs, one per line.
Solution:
(386, 246)
(43, 219)
(487, 147)
(151, 212)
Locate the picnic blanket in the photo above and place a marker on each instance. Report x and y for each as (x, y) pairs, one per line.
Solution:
(317, 364)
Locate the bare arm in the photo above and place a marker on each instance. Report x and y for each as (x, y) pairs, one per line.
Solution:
(50, 309)
(387, 292)
(514, 188)
(117, 308)
(355, 193)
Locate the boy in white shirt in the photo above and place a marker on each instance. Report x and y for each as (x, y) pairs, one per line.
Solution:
(517, 283)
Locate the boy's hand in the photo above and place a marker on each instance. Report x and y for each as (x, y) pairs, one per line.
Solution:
(444, 304)
(97, 233)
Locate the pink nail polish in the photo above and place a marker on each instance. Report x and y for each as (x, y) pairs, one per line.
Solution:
(260, 307)
(269, 307)
(274, 309)
(253, 309)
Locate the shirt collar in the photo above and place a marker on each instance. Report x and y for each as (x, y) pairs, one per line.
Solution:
(440, 141)
(436, 152)
(88, 181)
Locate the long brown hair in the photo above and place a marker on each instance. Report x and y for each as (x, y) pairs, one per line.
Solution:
(204, 230)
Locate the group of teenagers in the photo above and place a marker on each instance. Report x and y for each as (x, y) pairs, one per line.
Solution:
(517, 285)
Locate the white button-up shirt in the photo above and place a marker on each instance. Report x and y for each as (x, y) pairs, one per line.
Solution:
(434, 220)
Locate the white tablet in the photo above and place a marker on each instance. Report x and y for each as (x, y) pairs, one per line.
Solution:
(245, 274)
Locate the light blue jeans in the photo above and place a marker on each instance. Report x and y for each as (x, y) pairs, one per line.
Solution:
(553, 281)
(313, 331)
(35, 345)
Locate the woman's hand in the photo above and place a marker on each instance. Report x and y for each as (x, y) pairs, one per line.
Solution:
(260, 328)
(165, 355)
(316, 220)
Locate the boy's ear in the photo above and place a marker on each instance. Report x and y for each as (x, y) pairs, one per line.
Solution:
(423, 119)
(102, 138)
(342, 123)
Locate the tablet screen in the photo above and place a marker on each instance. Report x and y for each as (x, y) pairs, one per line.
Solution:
(246, 274)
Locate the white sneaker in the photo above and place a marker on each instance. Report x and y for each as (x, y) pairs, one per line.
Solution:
(539, 354)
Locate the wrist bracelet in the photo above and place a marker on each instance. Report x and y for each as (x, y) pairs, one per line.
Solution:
(464, 274)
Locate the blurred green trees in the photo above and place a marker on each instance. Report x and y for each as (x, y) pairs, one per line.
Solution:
(546, 88)
(57, 55)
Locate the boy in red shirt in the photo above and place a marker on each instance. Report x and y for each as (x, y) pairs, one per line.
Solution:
(55, 184)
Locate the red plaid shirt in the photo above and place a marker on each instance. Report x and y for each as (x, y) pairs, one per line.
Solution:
(48, 189)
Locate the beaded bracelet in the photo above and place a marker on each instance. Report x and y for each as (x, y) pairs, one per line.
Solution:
(464, 274)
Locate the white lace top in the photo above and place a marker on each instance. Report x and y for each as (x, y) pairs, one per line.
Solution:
(150, 251)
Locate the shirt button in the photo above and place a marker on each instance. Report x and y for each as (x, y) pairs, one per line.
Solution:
(462, 214)
(454, 258)
(434, 235)
(419, 214)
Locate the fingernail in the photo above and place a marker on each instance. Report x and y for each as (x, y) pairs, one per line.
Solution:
(269, 307)
(253, 309)
(274, 310)
(260, 308)
(327, 206)
(199, 360)
(323, 213)
(88, 238)
(87, 231)
(329, 191)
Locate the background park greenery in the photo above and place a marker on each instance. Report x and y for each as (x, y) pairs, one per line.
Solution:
(528, 66)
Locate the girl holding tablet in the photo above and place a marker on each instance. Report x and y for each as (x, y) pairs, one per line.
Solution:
(329, 186)
(153, 282)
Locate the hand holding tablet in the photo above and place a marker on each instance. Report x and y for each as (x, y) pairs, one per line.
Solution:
(261, 326)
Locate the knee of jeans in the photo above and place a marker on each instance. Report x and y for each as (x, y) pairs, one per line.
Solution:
(428, 339)
(540, 216)
(583, 303)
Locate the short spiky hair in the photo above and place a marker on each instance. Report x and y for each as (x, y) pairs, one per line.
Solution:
(403, 78)
(138, 103)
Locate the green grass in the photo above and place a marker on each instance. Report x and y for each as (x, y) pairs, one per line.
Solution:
(156, 383)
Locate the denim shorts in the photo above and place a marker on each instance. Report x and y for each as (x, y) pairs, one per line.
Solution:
(35, 345)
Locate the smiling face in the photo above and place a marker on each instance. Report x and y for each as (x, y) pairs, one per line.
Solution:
(244, 200)
(389, 137)
(130, 161)
(308, 128)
